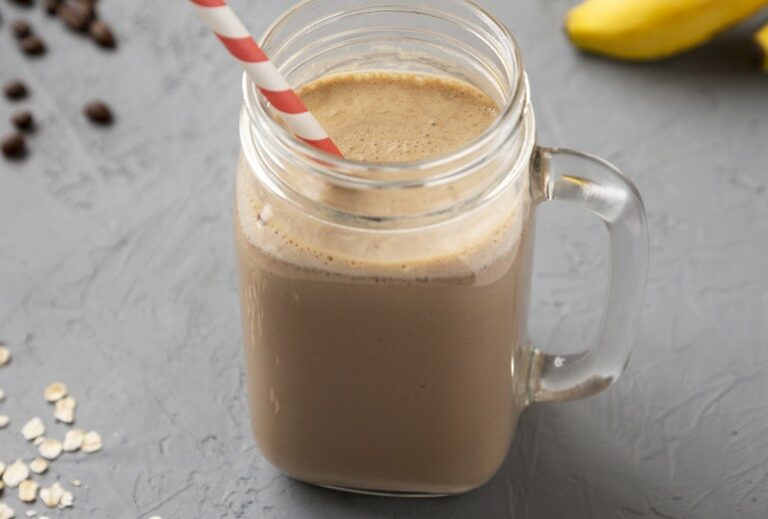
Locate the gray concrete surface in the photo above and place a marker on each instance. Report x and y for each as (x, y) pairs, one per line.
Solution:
(117, 277)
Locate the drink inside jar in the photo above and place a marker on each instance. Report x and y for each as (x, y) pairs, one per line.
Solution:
(386, 371)
(395, 117)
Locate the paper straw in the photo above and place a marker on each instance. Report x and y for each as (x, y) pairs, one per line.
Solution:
(225, 24)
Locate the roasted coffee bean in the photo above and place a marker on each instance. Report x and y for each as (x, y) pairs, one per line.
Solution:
(33, 46)
(51, 6)
(23, 120)
(21, 28)
(15, 89)
(13, 146)
(76, 14)
(101, 34)
(98, 112)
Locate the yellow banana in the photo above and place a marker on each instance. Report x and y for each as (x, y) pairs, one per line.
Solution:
(761, 39)
(651, 29)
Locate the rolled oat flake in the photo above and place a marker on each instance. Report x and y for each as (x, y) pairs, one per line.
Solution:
(28, 491)
(6, 512)
(91, 442)
(5, 354)
(51, 495)
(73, 440)
(65, 410)
(15, 473)
(50, 449)
(33, 429)
(55, 391)
(38, 465)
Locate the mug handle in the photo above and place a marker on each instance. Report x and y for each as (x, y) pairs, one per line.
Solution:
(596, 185)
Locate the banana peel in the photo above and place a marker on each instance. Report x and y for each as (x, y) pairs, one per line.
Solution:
(644, 30)
(761, 42)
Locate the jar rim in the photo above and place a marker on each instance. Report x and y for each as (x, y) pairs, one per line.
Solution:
(348, 171)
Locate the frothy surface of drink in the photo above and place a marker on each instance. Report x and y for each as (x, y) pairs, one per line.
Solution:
(378, 116)
(391, 117)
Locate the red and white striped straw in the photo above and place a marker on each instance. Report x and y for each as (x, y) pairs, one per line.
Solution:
(225, 24)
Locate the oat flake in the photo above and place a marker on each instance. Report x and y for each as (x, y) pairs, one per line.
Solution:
(6, 512)
(91, 442)
(15, 473)
(52, 495)
(38, 465)
(67, 500)
(55, 392)
(65, 410)
(73, 440)
(50, 449)
(28, 491)
(5, 354)
(33, 429)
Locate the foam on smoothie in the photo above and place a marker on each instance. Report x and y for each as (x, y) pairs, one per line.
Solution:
(379, 116)
(391, 117)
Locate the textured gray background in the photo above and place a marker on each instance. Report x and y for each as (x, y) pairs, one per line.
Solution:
(117, 276)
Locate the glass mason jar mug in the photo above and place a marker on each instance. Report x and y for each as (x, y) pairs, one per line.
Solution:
(384, 305)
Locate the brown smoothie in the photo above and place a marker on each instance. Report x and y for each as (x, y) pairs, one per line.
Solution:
(398, 117)
(387, 371)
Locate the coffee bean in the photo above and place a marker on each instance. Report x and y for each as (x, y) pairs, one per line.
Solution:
(76, 14)
(13, 146)
(101, 34)
(23, 120)
(98, 112)
(33, 46)
(51, 6)
(15, 89)
(21, 28)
